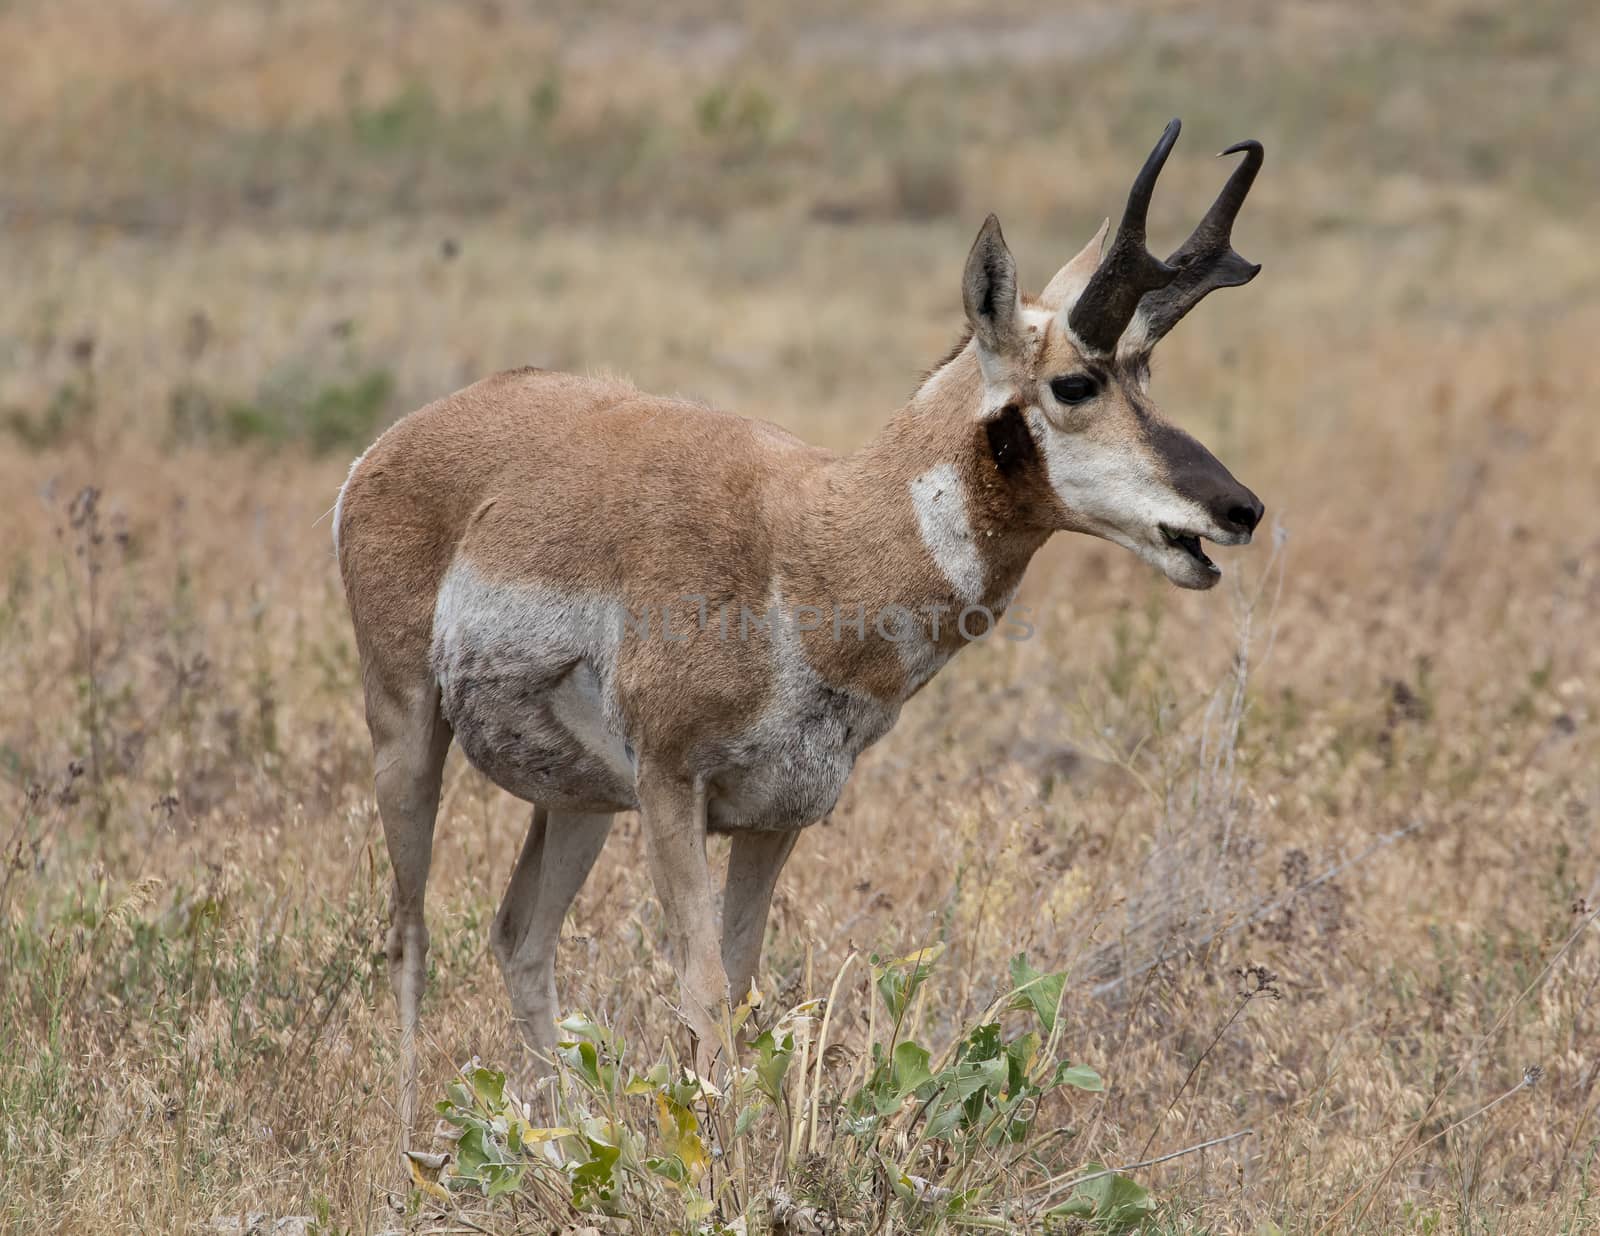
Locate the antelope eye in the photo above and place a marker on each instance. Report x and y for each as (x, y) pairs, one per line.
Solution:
(1074, 388)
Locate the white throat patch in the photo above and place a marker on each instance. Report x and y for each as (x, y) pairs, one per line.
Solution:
(942, 519)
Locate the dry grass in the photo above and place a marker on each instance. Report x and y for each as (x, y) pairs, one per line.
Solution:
(233, 237)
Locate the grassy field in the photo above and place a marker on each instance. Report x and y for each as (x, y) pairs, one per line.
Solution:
(1316, 852)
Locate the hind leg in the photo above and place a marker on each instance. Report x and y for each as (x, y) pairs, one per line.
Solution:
(409, 743)
(556, 859)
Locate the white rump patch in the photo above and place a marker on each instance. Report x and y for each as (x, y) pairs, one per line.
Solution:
(338, 503)
(941, 509)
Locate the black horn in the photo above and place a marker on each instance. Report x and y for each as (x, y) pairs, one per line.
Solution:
(1207, 260)
(1129, 270)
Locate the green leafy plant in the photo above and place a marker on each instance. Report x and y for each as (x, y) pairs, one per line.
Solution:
(1113, 1204)
(340, 412)
(921, 1129)
(70, 411)
(406, 118)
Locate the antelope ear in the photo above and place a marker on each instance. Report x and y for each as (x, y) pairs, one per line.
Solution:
(1062, 292)
(989, 291)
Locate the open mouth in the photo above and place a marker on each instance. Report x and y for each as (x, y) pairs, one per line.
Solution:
(1189, 543)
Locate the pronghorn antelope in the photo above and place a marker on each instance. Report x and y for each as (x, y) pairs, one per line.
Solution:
(620, 602)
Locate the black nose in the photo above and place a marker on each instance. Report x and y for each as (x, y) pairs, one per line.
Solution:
(1244, 513)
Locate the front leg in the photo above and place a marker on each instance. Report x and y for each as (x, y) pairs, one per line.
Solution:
(673, 812)
(754, 861)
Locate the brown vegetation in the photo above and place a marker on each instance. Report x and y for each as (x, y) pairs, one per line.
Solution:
(237, 240)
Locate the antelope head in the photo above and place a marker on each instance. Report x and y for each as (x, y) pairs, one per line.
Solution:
(1066, 377)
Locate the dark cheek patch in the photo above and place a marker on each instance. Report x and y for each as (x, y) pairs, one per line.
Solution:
(1010, 443)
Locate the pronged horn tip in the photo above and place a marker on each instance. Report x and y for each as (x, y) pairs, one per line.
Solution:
(1129, 270)
(1226, 208)
(1207, 260)
(1136, 216)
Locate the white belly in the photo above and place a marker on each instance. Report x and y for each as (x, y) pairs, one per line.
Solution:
(788, 771)
(527, 679)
